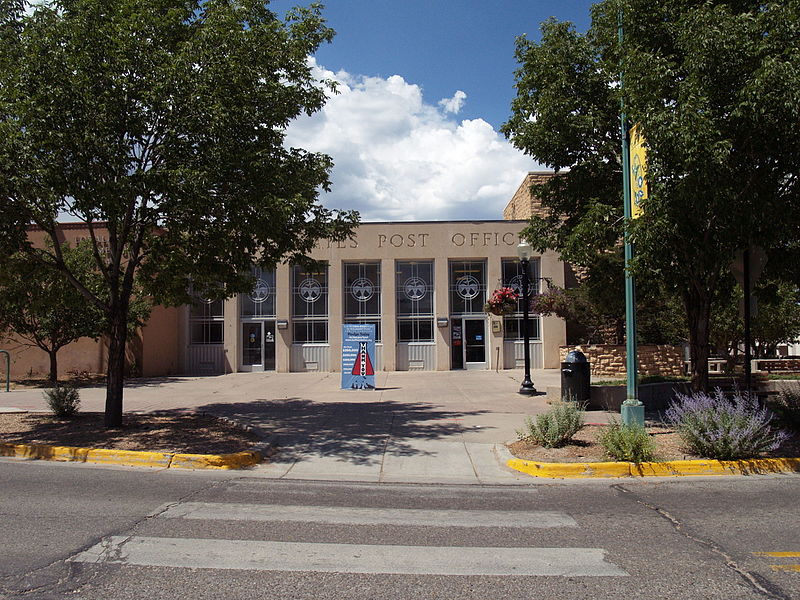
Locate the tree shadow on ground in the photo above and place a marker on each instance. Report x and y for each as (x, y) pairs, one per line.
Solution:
(355, 432)
(165, 431)
(93, 380)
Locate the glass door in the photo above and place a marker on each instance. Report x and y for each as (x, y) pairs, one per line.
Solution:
(258, 346)
(269, 345)
(475, 343)
(253, 347)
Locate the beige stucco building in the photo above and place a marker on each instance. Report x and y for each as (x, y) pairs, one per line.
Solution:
(423, 284)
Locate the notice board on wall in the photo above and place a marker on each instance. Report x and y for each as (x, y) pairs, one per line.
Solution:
(358, 357)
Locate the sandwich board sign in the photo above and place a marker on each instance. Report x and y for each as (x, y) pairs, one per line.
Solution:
(358, 356)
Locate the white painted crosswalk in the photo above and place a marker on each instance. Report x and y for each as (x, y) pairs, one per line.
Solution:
(349, 558)
(325, 557)
(346, 515)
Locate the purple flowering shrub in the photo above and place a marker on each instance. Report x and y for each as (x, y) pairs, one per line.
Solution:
(714, 426)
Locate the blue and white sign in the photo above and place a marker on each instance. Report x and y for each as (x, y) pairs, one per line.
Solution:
(358, 357)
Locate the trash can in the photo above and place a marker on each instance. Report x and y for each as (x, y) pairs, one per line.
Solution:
(575, 378)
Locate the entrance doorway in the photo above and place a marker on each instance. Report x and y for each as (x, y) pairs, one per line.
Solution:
(258, 346)
(468, 343)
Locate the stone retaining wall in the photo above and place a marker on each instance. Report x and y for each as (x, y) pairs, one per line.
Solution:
(791, 365)
(609, 361)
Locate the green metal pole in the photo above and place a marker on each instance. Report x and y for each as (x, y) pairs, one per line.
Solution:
(632, 411)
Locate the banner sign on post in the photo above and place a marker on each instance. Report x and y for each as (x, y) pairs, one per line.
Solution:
(358, 357)
(638, 171)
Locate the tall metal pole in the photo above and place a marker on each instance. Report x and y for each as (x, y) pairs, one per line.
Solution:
(526, 388)
(748, 355)
(632, 410)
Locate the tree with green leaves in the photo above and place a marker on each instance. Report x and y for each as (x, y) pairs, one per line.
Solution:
(714, 85)
(161, 125)
(776, 319)
(594, 309)
(41, 308)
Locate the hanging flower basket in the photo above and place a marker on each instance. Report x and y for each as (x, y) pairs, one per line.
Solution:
(503, 301)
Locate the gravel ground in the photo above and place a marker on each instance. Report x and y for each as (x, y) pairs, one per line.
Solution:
(585, 447)
(185, 433)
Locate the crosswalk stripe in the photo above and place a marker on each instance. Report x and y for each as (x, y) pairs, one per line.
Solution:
(368, 516)
(348, 558)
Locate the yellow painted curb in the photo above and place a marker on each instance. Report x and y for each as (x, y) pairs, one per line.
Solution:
(238, 460)
(131, 458)
(675, 468)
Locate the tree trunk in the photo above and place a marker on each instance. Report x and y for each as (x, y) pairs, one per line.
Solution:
(53, 366)
(116, 370)
(698, 312)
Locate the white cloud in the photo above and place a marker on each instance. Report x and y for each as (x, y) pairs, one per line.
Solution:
(454, 104)
(399, 158)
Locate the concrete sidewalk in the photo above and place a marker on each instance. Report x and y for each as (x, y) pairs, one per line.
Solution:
(448, 426)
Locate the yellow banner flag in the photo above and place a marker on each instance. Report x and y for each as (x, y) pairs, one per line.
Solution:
(638, 164)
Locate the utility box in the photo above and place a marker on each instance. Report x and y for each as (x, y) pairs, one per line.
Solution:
(575, 378)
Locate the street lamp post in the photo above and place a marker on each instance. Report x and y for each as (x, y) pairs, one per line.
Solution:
(524, 252)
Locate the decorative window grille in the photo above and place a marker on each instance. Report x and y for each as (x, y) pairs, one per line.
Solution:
(467, 287)
(512, 277)
(414, 298)
(259, 303)
(310, 304)
(362, 295)
(206, 320)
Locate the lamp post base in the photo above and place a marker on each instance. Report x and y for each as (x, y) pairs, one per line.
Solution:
(632, 412)
(527, 389)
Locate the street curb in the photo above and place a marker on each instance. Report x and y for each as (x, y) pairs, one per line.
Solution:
(675, 468)
(131, 458)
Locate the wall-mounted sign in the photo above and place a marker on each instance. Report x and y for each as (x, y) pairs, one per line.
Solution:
(358, 357)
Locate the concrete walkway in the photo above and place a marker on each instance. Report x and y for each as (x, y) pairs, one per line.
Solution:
(446, 426)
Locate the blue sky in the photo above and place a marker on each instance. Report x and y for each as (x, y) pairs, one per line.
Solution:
(443, 46)
(424, 88)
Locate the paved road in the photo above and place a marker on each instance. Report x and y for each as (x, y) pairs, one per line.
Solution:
(424, 427)
(98, 533)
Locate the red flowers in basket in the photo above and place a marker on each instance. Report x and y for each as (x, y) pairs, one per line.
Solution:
(503, 301)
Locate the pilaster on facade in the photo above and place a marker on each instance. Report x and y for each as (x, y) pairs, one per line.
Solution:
(388, 315)
(283, 314)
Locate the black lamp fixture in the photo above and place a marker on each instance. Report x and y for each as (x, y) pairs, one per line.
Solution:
(524, 253)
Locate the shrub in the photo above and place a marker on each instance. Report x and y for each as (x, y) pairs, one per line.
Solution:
(787, 406)
(713, 426)
(627, 442)
(63, 400)
(555, 427)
